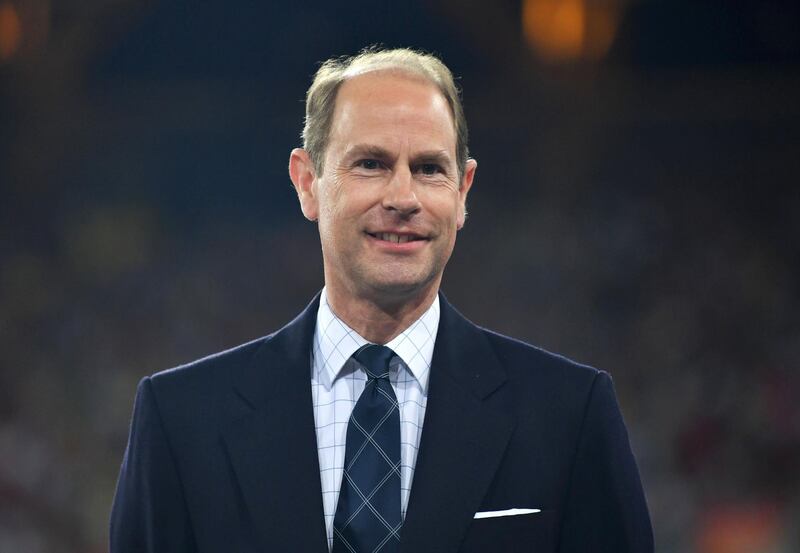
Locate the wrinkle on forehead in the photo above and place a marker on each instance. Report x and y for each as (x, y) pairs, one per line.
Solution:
(378, 107)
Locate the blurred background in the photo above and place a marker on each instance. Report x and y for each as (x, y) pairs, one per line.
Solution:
(635, 208)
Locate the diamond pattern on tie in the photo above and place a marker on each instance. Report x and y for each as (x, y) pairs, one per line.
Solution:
(368, 518)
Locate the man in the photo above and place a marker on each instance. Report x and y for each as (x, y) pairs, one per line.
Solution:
(380, 419)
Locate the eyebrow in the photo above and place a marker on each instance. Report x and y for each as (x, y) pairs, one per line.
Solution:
(368, 150)
(440, 157)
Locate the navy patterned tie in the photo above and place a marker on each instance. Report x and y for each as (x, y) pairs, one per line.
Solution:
(367, 516)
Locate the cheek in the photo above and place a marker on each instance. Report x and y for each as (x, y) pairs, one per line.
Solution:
(331, 206)
(336, 217)
(443, 206)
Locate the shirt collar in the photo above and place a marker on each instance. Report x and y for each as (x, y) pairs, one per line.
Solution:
(335, 342)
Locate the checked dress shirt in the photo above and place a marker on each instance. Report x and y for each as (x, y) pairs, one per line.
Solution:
(337, 382)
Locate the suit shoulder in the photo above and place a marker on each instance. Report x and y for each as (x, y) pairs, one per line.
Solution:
(209, 369)
(518, 355)
(199, 391)
(542, 381)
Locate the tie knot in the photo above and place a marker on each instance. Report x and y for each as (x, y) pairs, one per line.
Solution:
(375, 360)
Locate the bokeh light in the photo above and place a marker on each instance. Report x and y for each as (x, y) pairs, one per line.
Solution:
(561, 31)
(10, 31)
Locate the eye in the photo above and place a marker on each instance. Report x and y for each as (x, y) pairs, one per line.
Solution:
(430, 168)
(369, 164)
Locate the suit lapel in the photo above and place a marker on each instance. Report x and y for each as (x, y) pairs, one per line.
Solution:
(468, 423)
(272, 441)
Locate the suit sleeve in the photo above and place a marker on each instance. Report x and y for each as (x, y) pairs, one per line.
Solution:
(605, 511)
(149, 514)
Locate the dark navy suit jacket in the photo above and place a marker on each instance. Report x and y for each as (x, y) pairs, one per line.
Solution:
(222, 456)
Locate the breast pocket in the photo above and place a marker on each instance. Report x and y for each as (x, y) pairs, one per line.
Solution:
(531, 533)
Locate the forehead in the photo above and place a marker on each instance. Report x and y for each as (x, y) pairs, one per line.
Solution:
(389, 106)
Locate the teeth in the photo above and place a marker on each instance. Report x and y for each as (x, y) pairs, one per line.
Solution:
(396, 238)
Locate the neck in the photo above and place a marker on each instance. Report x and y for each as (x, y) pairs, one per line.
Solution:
(379, 320)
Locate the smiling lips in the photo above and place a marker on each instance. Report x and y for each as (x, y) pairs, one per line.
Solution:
(396, 238)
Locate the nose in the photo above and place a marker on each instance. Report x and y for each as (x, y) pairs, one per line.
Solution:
(400, 193)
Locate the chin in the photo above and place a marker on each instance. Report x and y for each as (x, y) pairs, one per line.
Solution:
(401, 288)
(395, 287)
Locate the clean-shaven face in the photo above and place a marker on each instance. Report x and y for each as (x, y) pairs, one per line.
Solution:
(389, 200)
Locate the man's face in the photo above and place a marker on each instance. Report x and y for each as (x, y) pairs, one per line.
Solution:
(389, 203)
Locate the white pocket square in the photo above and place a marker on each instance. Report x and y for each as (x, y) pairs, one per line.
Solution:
(506, 513)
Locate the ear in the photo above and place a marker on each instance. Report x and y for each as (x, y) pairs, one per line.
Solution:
(466, 184)
(301, 171)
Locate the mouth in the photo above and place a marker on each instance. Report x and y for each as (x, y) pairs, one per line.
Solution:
(396, 237)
